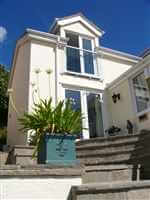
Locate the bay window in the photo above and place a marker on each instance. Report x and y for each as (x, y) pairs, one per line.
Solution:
(141, 93)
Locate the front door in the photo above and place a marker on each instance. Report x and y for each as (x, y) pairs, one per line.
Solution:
(91, 107)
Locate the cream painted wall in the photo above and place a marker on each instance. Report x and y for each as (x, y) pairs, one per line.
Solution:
(37, 188)
(79, 28)
(41, 84)
(113, 68)
(20, 95)
(124, 108)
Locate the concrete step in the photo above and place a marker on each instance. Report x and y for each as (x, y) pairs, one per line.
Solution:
(107, 141)
(90, 151)
(22, 155)
(3, 158)
(123, 190)
(129, 149)
(113, 140)
(109, 173)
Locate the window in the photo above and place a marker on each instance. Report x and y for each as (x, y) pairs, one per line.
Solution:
(73, 54)
(80, 55)
(89, 104)
(141, 92)
(75, 98)
(88, 57)
(95, 119)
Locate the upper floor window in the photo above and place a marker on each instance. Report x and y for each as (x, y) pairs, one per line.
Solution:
(80, 55)
(141, 92)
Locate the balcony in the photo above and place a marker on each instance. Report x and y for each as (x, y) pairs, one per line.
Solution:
(81, 62)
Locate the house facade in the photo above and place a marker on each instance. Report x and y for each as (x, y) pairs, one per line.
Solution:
(133, 86)
(66, 62)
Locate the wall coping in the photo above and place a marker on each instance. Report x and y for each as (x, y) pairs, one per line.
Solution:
(111, 186)
(7, 171)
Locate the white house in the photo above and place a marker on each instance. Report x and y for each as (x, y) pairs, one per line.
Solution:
(134, 103)
(66, 62)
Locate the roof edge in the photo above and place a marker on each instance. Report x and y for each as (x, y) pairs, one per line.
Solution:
(129, 73)
(120, 53)
(54, 24)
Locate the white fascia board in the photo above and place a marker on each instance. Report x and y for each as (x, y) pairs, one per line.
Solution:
(80, 19)
(42, 35)
(119, 54)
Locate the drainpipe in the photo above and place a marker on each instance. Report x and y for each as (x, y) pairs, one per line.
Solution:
(56, 70)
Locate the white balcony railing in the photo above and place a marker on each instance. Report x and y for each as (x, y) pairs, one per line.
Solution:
(81, 61)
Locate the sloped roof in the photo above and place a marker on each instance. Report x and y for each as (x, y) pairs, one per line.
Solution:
(57, 20)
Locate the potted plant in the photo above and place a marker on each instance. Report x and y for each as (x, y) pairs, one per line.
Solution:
(53, 130)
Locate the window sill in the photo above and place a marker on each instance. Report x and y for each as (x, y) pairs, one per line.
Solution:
(84, 75)
(138, 114)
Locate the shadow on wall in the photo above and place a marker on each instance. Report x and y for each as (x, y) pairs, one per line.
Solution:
(140, 157)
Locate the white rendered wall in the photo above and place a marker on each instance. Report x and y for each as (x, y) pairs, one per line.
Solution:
(113, 68)
(37, 188)
(79, 28)
(124, 110)
(42, 84)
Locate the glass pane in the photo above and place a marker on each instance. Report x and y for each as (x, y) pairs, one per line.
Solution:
(87, 44)
(73, 40)
(88, 63)
(141, 104)
(88, 57)
(73, 60)
(94, 115)
(141, 92)
(75, 97)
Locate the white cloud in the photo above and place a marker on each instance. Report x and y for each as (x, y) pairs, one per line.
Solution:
(3, 34)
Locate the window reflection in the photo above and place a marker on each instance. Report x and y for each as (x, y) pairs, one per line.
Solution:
(75, 98)
(88, 57)
(94, 115)
(141, 92)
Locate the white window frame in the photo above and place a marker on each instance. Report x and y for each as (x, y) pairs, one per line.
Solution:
(96, 74)
(84, 109)
(133, 96)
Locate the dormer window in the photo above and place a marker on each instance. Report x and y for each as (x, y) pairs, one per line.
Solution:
(80, 55)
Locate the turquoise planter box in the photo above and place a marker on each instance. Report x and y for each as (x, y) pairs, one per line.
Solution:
(57, 150)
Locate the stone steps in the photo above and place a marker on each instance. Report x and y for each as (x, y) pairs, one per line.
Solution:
(109, 167)
(109, 140)
(3, 158)
(22, 155)
(108, 173)
(114, 150)
(123, 190)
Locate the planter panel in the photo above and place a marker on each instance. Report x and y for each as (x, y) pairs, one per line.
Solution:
(58, 149)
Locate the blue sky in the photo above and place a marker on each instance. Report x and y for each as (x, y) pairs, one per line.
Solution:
(126, 22)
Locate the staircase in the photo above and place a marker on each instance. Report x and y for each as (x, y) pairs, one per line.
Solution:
(3, 158)
(114, 167)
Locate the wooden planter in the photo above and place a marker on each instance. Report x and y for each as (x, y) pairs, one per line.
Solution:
(57, 150)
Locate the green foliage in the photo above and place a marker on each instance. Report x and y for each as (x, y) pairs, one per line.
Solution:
(4, 76)
(46, 119)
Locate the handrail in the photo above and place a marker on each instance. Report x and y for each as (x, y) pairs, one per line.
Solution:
(93, 52)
